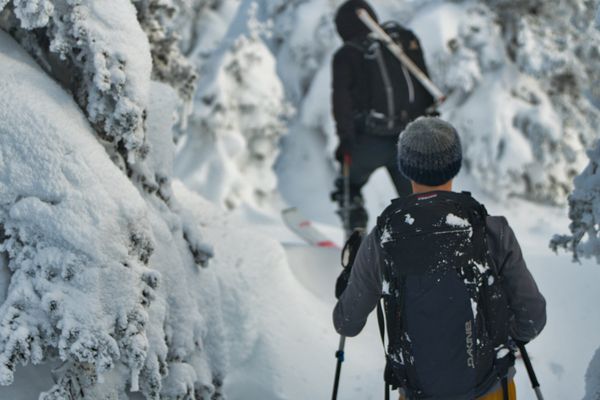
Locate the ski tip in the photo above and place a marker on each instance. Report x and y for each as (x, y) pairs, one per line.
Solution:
(326, 243)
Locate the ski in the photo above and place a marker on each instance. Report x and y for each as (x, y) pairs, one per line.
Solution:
(304, 228)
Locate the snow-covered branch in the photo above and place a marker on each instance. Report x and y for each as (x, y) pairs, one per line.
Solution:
(96, 51)
(584, 212)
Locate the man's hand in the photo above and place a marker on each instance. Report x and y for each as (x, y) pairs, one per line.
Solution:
(432, 112)
(344, 149)
(348, 255)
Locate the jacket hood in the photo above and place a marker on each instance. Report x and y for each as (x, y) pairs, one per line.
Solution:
(348, 25)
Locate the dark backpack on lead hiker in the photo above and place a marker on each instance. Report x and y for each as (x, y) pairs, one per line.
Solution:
(393, 96)
(446, 313)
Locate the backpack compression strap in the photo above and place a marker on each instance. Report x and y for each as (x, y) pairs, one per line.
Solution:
(381, 323)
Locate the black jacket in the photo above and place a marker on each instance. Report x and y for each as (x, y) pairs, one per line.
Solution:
(354, 79)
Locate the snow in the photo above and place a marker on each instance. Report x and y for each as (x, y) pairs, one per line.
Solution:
(584, 212)
(385, 287)
(56, 227)
(458, 222)
(386, 236)
(101, 275)
(474, 308)
(237, 144)
(139, 275)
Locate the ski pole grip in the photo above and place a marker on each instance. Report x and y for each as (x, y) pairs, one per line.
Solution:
(347, 159)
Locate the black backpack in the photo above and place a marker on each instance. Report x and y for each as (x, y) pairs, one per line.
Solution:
(394, 97)
(446, 313)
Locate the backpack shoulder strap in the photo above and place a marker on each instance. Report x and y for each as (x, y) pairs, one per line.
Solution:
(361, 44)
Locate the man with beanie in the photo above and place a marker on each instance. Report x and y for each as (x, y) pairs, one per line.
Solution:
(456, 289)
(374, 96)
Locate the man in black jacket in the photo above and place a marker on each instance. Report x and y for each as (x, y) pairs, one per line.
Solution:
(374, 97)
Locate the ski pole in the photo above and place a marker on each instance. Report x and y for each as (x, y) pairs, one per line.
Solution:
(346, 175)
(401, 55)
(339, 354)
(534, 382)
(338, 369)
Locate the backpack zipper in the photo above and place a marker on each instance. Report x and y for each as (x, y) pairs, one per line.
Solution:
(400, 236)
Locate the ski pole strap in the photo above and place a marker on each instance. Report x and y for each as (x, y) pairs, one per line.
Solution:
(381, 323)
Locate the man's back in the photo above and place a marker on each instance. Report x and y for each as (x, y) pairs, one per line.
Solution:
(438, 321)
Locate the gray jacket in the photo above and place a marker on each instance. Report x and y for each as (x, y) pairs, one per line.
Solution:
(525, 300)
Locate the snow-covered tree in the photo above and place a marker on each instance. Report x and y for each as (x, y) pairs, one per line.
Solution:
(233, 139)
(584, 240)
(157, 18)
(522, 79)
(584, 212)
(105, 267)
(584, 201)
(81, 42)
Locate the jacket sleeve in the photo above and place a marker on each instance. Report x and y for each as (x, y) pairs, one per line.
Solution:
(525, 300)
(363, 290)
(343, 83)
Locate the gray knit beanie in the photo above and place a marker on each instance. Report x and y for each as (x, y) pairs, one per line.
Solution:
(429, 151)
